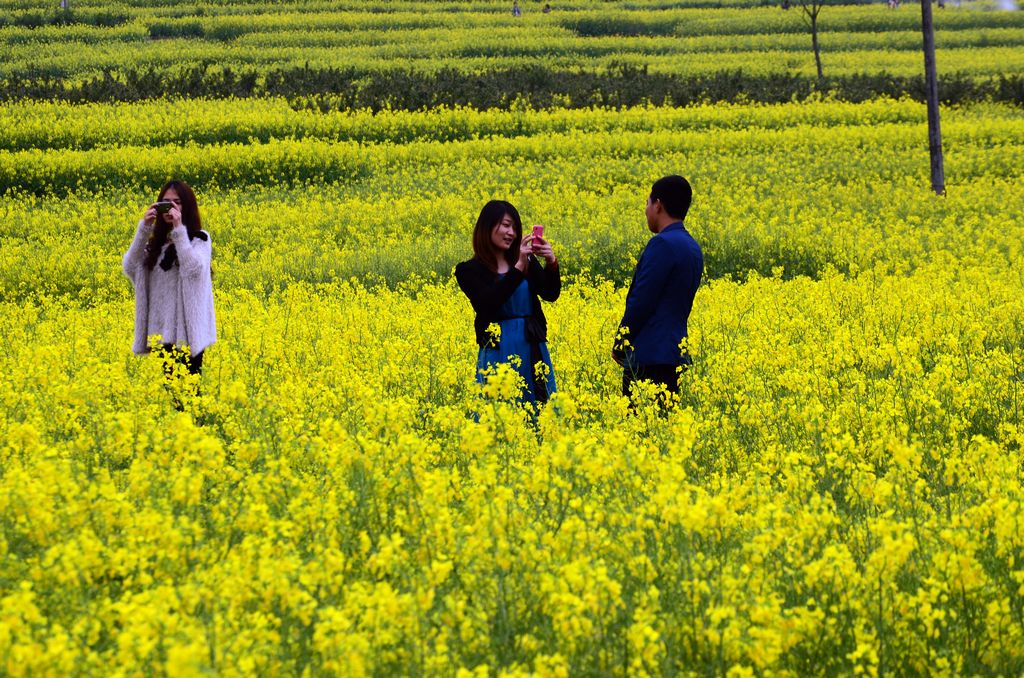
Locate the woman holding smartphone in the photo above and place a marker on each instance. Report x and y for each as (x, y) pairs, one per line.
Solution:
(505, 282)
(168, 263)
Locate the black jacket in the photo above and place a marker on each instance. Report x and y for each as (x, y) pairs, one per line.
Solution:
(487, 292)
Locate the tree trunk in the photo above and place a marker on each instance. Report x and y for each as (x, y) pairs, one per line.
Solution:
(932, 92)
(814, 42)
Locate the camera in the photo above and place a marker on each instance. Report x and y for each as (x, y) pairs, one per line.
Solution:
(163, 207)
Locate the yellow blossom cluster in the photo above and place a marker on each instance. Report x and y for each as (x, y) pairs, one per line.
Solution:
(837, 491)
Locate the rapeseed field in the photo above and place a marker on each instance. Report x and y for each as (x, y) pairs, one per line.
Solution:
(838, 489)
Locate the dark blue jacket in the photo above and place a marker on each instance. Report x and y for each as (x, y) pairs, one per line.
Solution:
(660, 298)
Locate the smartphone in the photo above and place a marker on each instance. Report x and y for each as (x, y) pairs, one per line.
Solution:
(538, 231)
(163, 207)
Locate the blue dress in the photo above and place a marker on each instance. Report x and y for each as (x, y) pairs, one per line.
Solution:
(516, 309)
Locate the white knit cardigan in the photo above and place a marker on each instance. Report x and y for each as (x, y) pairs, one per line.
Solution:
(195, 287)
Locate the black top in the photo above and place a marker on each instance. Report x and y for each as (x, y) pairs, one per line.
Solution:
(487, 291)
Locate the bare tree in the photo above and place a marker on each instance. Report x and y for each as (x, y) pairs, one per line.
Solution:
(809, 10)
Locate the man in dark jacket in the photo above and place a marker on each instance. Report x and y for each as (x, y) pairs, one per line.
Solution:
(660, 298)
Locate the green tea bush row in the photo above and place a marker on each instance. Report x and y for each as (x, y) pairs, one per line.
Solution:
(536, 86)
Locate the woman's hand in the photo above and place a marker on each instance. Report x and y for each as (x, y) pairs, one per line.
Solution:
(174, 216)
(149, 218)
(525, 250)
(542, 248)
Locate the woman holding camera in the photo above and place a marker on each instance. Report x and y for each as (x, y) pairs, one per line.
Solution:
(169, 266)
(505, 282)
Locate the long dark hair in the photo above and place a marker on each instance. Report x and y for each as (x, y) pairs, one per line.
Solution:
(490, 216)
(189, 218)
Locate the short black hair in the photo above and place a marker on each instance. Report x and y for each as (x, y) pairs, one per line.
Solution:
(675, 195)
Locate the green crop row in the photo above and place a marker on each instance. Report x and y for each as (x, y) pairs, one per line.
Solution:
(855, 39)
(53, 125)
(803, 188)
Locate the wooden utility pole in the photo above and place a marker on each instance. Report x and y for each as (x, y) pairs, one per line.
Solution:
(931, 85)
